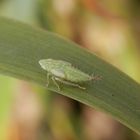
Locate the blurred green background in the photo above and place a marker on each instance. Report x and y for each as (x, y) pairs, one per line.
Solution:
(110, 29)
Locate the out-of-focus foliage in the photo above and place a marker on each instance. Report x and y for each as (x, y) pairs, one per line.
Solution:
(109, 28)
(23, 10)
(5, 102)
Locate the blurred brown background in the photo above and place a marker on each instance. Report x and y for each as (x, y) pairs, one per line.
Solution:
(110, 29)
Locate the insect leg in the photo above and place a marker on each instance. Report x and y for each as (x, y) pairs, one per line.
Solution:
(48, 75)
(68, 83)
(54, 80)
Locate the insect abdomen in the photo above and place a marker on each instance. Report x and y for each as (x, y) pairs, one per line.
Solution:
(74, 75)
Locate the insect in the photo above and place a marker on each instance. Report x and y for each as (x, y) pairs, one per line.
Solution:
(65, 73)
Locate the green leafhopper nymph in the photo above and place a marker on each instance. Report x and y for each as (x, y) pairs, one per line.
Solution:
(65, 73)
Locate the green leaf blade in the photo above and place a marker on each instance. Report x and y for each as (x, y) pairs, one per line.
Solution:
(22, 46)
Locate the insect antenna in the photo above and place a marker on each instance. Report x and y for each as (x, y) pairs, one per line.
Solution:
(96, 77)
